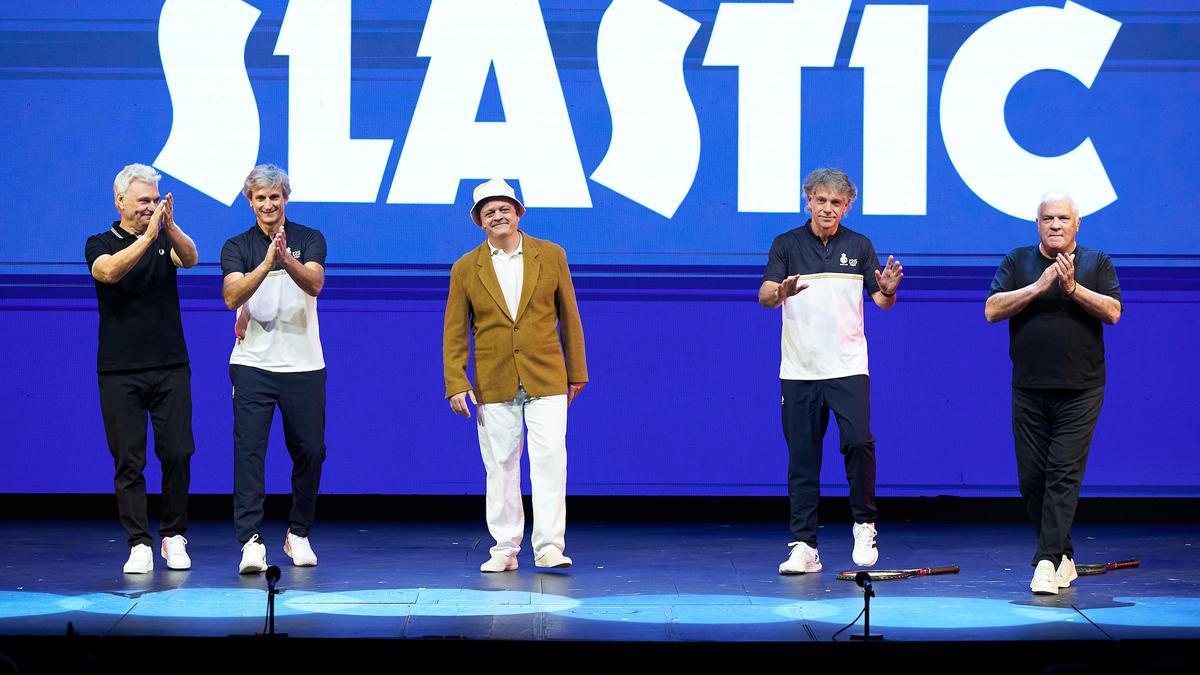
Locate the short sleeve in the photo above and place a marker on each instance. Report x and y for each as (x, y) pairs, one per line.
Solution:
(95, 247)
(868, 265)
(777, 266)
(232, 259)
(1003, 281)
(1106, 279)
(314, 250)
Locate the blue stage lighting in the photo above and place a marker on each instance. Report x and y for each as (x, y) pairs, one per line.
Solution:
(195, 603)
(1159, 612)
(27, 603)
(429, 602)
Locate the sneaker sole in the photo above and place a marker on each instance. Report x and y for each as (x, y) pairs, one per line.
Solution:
(138, 571)
(559, 566)
(287, 550)
(796, 573)
(179, 568)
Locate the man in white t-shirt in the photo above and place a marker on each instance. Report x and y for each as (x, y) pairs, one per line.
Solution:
(274, 272)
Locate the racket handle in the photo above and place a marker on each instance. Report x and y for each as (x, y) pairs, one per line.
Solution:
(1122, 564)
(947, 569)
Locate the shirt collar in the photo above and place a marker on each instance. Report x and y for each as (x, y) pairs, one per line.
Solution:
(520, 251)
(287, 224)
(813, 235)
(121, 232)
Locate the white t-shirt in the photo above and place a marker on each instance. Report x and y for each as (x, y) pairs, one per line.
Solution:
(283, 335)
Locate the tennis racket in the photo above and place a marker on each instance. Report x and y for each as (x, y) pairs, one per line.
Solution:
(890, 575)
(1100, 568)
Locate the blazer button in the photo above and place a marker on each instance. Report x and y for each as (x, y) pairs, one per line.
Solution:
(516, 328)
(516, 351)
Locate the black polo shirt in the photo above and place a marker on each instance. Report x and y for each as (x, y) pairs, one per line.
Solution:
(140, 324)
(246, 251)
(799, 251)
(1054, 343)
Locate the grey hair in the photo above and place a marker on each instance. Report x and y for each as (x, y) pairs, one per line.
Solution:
(834, 179)
(267, 176)
(131, 173)
(1057, 196)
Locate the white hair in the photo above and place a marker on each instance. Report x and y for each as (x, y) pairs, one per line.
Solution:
(131, 173)
(1055, 197)
(267, 176)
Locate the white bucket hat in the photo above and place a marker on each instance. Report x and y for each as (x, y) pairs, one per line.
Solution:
(495, 187)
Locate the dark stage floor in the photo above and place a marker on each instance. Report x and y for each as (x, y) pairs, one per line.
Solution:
(631, 583)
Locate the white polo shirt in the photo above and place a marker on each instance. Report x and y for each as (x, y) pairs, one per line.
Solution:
(823, 335)
(283, 334)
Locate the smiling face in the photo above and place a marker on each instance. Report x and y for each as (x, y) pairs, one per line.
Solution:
(827, 207)
(499, 217)
(268, 204)
(1057, 225)
(136, 205)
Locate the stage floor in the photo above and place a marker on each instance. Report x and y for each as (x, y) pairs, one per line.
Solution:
(636, 582)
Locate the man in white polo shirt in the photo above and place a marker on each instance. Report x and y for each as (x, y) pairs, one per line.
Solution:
(274, 272)
(817, 273)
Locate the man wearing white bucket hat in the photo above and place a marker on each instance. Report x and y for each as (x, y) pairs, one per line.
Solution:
(514, 294)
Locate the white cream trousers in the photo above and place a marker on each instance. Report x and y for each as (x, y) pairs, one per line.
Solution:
(501, 441)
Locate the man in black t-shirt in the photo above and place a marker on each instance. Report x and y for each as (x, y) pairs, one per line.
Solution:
(1057, 295)
(142, 361)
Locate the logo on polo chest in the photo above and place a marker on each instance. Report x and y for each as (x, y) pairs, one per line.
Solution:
(847, 261)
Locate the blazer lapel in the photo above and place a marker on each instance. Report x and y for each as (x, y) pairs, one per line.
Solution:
(533, 267)
(487, 276)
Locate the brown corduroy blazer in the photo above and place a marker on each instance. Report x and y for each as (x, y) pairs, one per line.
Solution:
(541, 347)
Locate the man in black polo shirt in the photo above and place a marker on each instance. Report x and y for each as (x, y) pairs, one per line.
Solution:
(1057, 296)
(817, 273)
(142, 361)
(273, 274)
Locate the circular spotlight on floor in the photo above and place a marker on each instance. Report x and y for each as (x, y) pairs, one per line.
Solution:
(196, 603)
(429, 602)
(938, 612)
(1153, 611)
(15, 604)
(689, 609)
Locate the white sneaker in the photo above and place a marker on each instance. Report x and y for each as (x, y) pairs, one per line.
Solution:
(1066, 573)
(1043, 579)
(174, 551)
(551, 557)
(865, 553)
(803, 559)
(141, 560)
(499, 563)
(254, 556)
(299, 550)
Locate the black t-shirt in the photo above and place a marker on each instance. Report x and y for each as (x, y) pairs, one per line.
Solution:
(140, 325)
(800, 251)
(244, 252)
(1054, 343)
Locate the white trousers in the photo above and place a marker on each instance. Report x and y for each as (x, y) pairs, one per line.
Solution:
(501, 440)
